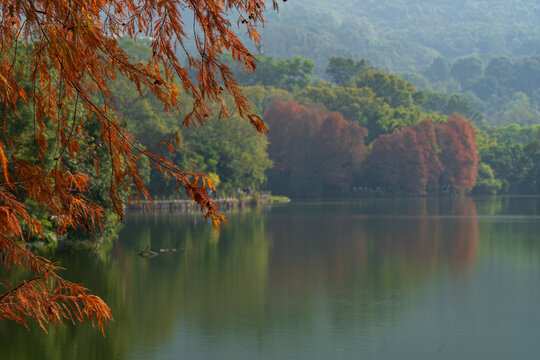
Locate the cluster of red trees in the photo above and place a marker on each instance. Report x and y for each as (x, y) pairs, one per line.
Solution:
(425, 158)
(316, 152)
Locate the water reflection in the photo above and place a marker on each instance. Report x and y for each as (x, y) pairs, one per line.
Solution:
(304, 280)
(343, 243)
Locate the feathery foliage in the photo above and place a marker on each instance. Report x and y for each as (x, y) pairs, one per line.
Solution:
(74, 54)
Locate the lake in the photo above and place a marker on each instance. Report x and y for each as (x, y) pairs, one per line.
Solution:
(418, 278)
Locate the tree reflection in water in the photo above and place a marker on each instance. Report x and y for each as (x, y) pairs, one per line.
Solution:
(275, 271)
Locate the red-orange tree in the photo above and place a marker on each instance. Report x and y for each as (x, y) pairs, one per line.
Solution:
(313, 150)
(72, 49)
(425, 158)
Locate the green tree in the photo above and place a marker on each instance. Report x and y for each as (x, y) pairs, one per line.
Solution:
(487, 184)
(394, 90)
(262, 96)
(504, 158)
(485, 87)
(233, 150)
(501, 68)
(438, 71)
(531, 164)
(466, 69)
(343, 70)
(378, 101)
(290, 74)
(461, 105)
(21, 130)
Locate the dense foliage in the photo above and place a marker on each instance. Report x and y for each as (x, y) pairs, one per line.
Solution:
(318, 153)
(399, 159)
(402, 35)
(71, 53)
(425, 158)
(315, 152)
(376, 100)
(487, 51)
(229, 149)
(87, 117)
(289, 74)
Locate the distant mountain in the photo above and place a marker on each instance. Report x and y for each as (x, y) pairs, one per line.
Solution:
(401, 35)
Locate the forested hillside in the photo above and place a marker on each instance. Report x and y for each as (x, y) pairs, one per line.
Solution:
(401, 35)
(365, 132)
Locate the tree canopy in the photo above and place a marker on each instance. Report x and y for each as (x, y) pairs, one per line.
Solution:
(402, 35)
(73, 51)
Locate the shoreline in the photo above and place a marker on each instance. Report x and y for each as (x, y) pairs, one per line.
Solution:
(223, 203)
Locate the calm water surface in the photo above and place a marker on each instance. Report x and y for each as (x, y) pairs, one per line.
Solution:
(367, 279)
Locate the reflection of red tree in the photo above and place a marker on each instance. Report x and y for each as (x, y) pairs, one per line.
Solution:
(443, 231)
(308, 254)
(337, 251)
(125, 266)
(465, 241)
